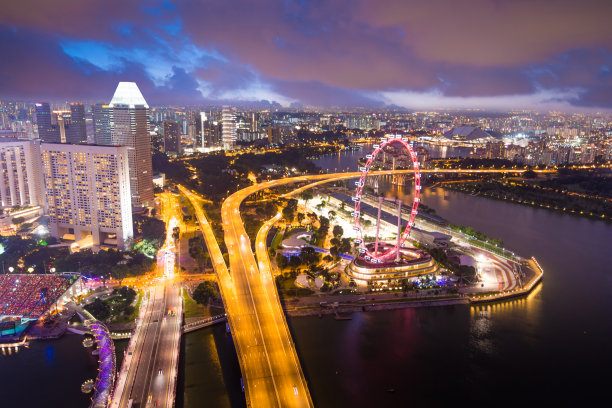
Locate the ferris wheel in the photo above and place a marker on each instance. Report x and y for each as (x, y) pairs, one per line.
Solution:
(389, 253)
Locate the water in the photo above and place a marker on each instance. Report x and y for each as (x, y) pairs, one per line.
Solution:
(47, 374)
(549, 348)
(552, 347)
(348, 160)
(209, 374)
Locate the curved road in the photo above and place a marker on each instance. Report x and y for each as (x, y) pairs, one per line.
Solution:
(268, 359)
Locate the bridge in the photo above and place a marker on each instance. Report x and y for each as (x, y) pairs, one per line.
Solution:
(200, 324)
(105, 381)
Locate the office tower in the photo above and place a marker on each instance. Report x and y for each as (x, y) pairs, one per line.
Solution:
(204, 130)
(228, 119)
(101, 124)
(76, 132)
(62, 119)
(130, 127)
(19, 173)
(172, 137)
(274, 135)
(4, 120)
(87, 190)
(254, 122)
(46, 131)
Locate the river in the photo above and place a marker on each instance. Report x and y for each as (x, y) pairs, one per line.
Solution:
(47, 374)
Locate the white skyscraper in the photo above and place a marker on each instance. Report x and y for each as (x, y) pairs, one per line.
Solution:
(129, 122)
(88, 192)
(203, 120)
(228, 118)
(19, 173)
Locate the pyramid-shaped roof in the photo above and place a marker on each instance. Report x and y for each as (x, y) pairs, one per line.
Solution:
(128, 94)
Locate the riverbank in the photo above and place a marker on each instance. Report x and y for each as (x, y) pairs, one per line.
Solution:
(533, 195)
(336, 305)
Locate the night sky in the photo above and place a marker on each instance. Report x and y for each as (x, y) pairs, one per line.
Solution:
(497, 54)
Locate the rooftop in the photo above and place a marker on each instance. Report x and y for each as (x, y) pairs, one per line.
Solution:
(128, 94)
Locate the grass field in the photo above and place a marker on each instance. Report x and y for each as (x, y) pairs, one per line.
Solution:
(192, 308)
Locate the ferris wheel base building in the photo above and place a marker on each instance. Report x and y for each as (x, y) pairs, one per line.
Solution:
(413, 263)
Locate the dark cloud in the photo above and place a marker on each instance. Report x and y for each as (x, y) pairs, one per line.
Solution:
(337, 52)
(39, 69)
(477, 81)
(492, 32)
(318, 94)
(588, 69)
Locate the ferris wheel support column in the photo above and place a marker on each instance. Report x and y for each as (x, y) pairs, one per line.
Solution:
(399, 229)
(380, 200)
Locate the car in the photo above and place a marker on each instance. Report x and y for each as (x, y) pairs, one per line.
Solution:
(160, 371)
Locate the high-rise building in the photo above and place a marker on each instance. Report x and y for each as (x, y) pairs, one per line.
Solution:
(19, 173)
(87, 190)
(274, 135)
(172, 137)
(130, 127)
(76, 132)
(62, 119)
(229, 127)
(4, 120)
(101, 124)
(495, 150)
(203, 129)
(47, 132)
(254, 122)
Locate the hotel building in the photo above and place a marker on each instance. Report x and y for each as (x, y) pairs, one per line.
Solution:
(19, 173)
(87, 191)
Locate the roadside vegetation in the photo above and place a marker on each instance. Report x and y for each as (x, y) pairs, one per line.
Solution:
(117, 307)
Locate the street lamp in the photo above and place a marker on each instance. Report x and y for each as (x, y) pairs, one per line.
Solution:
(30, 269)
(11, 269)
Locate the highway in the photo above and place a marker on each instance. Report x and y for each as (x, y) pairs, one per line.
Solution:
(271, 370)
(148, 374)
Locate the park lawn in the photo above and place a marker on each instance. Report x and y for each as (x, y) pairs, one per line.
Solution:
(288, 288)
(278, 238)
(132, 317)
(192, 308)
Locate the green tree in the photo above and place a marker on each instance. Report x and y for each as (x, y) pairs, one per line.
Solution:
(204, 292)
(270, 209)
(306, 195)
(151, 229)
(197, 250)
(290, 209)
(338, 231)
(309, 256)
(295, 261)
(120, 272)
(281, 261)
(100, 309)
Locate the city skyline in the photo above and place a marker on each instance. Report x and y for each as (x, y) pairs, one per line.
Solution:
(305, 203)
(478, 54)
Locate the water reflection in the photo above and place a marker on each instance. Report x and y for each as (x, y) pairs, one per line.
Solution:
(548, 348)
